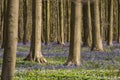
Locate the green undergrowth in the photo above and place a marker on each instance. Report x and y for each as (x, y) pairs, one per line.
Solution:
(65, 74)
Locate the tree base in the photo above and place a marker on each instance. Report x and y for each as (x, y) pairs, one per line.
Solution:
(72, 63)
(41, 60)
(96, 49)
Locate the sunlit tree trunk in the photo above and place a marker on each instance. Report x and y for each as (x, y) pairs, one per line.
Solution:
(47, 36)
(110, 26)
(96, 38)
(35, 53)
(75, 36)
(9, 57)
(62, 22)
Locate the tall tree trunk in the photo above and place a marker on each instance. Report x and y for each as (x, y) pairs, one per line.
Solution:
(47, 40)
(44, 22)
(62, 22)
(69, 16)
(102, 18)
(115, 19)
(4, 23)
(87, 24)
(20, 22)
(75, 36)
(96, 38)
(9, 57)
(106, 19)
(119, 21)
(25, 21)
(1, 21)
(35, 48)
(58, 22)
(110, 27)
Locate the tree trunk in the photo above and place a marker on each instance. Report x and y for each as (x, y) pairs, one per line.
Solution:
(102, 18)
(35, 48)
(4, 23)
(110, 27)
(47, 36)
(20, 22)
(87, 24)
(119, 21)
(106, 19)
(9, 57)
(62, 22)
(96, 38)
(69, 16)
(75, 36)
(25, 21)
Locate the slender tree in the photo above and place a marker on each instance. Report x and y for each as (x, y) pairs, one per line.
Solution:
(96, 38)
(102, 18)
(62, 22)
(9, 58)
(68, 20)
(47, 36)
(75, 36)
(110, 26)
(4, 22)
(20, 21)
(25, 21)
(119, 21)
(1, 21)
(35, 53)
(87, 24)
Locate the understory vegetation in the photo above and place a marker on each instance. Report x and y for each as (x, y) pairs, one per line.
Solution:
(95, 65)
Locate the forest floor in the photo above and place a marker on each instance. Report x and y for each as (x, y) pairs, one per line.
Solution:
(94, 65)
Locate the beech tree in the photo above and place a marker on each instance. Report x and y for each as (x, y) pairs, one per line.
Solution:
(62, 22)
(119, 21)
(75, 36)
(110, 20)
(87, 24)
(25, 21)
(47, 36)
(96, 37)
(35, 53)
(4, 18)
(9, 57)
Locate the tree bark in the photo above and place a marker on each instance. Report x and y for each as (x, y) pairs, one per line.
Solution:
(62, 22)
(96, 38)
(75, 36)
(69, 14)
(47, 36)
(25, 21)
(110, 26)
(87, 24)
(9, 57)
(119, 21)
(4, 23)
(35, 48)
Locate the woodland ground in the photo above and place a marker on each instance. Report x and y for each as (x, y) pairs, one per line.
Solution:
(95, 65)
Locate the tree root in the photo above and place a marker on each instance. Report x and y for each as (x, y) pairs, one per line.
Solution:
(41, 60)
(71, 63)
